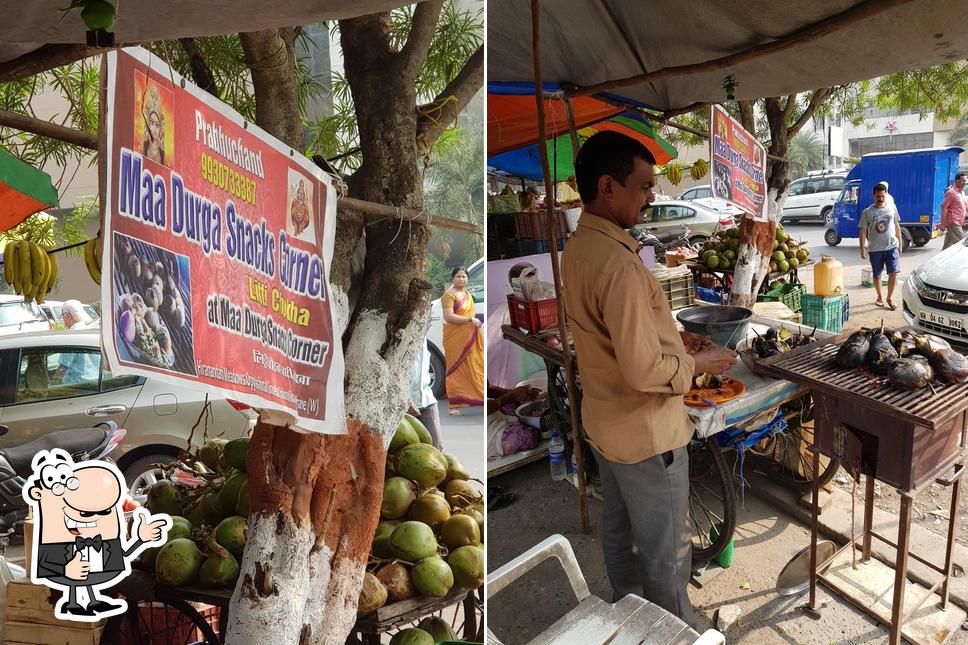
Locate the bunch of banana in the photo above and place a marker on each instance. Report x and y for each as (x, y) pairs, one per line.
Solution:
(30, 269)
(673, 172)
(92, 258)
(699, 169)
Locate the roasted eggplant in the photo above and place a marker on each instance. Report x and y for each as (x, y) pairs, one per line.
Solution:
(910, 373)
(949, 365)
(881, 352)
(853, 352)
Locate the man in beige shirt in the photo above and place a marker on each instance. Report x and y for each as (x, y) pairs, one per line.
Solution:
(635, 366)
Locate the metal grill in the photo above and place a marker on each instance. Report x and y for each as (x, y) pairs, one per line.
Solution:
(813, 366)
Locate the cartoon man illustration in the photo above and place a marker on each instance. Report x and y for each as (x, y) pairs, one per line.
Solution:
(79, 543)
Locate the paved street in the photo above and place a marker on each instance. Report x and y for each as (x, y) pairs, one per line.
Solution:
(463, 437)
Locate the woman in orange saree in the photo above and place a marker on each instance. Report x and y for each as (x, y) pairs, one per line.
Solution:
(463, 346)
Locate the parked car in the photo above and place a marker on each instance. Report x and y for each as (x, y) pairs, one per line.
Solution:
(52, 309)
(813, 196)
(438, 364)
(158, 417)
(936, 295)
(704, 195)
(668, 216)
(17, 316)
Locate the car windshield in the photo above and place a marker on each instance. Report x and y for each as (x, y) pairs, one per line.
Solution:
(15, 313)
(475, 280)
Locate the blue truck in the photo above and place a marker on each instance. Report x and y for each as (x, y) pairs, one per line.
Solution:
(917, 181)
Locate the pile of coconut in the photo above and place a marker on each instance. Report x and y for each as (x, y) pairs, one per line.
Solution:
(430, 536)
(209, 505)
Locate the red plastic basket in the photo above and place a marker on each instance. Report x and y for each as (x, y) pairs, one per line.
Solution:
(534, 316)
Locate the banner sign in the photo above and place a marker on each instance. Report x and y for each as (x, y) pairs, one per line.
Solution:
(218, 241)
(738, 164)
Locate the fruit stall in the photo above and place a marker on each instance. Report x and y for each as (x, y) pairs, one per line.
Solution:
(425, 569)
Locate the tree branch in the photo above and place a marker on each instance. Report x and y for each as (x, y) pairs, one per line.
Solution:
(438, 115)
(46, 58)
(810, 33)
(201, 73)
(422, 30)
(746, 115)
(819, 96)
(791, 103)
(273, 65)
(46, 129)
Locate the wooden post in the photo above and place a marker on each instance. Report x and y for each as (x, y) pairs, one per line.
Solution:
(555, 266)
(102, 142)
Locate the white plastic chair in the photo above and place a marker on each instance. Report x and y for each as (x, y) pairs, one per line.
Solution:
(630, 621)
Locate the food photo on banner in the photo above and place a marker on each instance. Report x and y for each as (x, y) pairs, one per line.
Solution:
(738, 165)
(220, 245)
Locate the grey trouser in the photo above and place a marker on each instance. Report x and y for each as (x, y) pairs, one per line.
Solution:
(647, 504)
(430, 417)
(953, 233)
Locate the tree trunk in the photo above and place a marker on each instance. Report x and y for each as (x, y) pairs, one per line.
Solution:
(315, 499)
(756, 238)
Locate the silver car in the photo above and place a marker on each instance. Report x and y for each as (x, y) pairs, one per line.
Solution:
(56, 381)
(669, 216)
(17, 316)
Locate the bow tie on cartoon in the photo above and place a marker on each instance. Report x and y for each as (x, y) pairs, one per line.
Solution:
(83, 543)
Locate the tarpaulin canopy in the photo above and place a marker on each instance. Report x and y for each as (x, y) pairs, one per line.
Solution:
(24, 190)
(525, 162)
(587, 43)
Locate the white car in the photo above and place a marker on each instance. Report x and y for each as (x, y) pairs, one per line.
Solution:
(704, 195)
(158, 417)
(18, 317)
(813, 196)
(668, 216)
(936, 295)
(438, 364)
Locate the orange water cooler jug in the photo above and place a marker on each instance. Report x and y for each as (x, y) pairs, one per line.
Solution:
(828, 277)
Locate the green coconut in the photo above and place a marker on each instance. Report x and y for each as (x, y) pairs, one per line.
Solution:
(178, 563)
(148, 557)
(164, 497)
(228, 496)
(381, 541)
(419, 428)
(438, 629)
(412, 541)
(211, 452)
(478, 516)
(98, 14)
(467, 565)
(220, 569)
(431, 509)
(422, 463)
(231, 533)
(211, 509)
(195, 515)
(373, 595)
(398, 495)
(235, 453)
(396, 579)
(455, 469)
(460, 530)
(412, 636)
(432, 577)
(180, 528)
(461, 494)
(242, 504)
(404, 436)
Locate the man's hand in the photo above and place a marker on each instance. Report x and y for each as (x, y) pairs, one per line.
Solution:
(863, 252)
(714, 360)
(524, 394)
(77, 569)
(695, 342)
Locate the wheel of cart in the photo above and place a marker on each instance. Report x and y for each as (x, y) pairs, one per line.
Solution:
(170, 621)
(787, 455)
(462, 610)
(712, 499)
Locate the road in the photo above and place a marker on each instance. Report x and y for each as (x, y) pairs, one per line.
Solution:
(848, 251)
(463, 437)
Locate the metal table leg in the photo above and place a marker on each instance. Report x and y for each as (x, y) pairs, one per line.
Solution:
(952, 530)
(901, 565)
(815, 529)
(868, 516)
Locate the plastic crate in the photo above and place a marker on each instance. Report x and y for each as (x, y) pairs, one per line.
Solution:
(825, 312)
(678, 289)
(788, 294)
(532, 316)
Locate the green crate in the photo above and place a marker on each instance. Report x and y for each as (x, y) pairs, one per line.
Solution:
(788, 294)
(823, 312)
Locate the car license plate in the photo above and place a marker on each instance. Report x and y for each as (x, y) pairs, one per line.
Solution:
(941, 319)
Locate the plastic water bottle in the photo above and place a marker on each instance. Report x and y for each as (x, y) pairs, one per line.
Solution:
(556, 452)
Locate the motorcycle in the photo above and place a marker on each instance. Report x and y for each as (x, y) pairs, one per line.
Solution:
(661, 242)
(82, 444)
